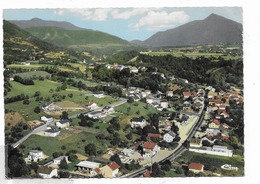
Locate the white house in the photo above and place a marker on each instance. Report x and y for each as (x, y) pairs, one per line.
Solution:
(47, 172)
(128, 152)
(96, 114)
(214, 150)
(150, 149)
(138, 122)
(63, 123)
(59, 159)
(169, 136)
(133, 69)
(99, 94)
(91, 105)
(52, 132)
(35, 155)
(164, 104)
(108, 110)
(169, 93)
(47, 119)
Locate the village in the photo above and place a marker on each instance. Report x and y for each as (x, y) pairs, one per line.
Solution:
(173, 128)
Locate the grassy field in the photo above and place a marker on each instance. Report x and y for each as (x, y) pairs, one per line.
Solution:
(136, 109)
(34, 74)
(11, 119)
(49, 145)
(191, 55)
(31, 66)
(172, 173)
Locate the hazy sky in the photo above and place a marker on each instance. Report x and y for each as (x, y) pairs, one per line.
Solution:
(127, 23)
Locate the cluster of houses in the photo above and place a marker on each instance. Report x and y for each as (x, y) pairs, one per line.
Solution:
(50, 107)
(97, 114)
(193, 101)
(54, 126)
(132, 69)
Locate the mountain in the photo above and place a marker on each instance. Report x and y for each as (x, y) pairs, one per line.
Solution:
(67, 35)
(214, 29)
(36, 22)
(21, 45)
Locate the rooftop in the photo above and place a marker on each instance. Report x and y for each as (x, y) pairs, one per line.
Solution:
(88, 164)
(113, 166)
(196, 166)
(149, 145)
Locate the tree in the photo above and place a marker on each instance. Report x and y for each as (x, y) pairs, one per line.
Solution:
(37, 93)
(64, 115)
(26, 101)
(57, 154)
(16, 164)
(37, 109)
(155, 169)
(179, 170)
(90, 149)
(63, 164)
(34, 166)
(116, 159)
(63, 174)
(206, 143)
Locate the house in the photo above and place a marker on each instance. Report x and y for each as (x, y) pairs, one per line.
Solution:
(108, 110)
(133, 69)
(128, 152)
(221, 93)
(47, 172)
(150, 149)
(225, 126)
(96, 114)
(214, 124)
(46, 105)
(164, 104)
(47, 119)
(59, 159)
(186, 95)
(169, 93)
(138, 122)
(87, 167)
(169, 136)
(212, 95)
(214, 150)
(35, 155)
(186, 106)
(111, 170)
(196, 167)
(212, 132)
(63, 123)
(99, 94)
(52, 131)
(91, 105)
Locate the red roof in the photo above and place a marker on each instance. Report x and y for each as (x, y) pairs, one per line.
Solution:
(216, 122)
(186, 94)
(149, 145)
(97, 170)
(113, 166)
(147, 173)
(196, 166)
(154, 135)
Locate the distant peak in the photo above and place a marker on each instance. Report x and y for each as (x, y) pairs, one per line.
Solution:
(36, 19)
(213, 16)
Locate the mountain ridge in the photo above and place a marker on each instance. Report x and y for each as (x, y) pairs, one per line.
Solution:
(214, 29)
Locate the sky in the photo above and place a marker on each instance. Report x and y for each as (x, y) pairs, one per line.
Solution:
(126, 23)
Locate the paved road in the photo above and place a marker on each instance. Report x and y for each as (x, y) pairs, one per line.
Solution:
(35, 131)
(43, 127)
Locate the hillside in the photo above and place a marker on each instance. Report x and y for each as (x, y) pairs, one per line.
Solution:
(66, 34)
(74, 38)
(213, 30)
(21, 45)
(36, 22)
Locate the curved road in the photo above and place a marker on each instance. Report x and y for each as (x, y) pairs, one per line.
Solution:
(44, 127)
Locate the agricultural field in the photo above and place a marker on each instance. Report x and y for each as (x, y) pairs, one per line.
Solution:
(136, 109)
(32, 74)
(12, 119)
(31, 66)
(190, 55)
(76, 141)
